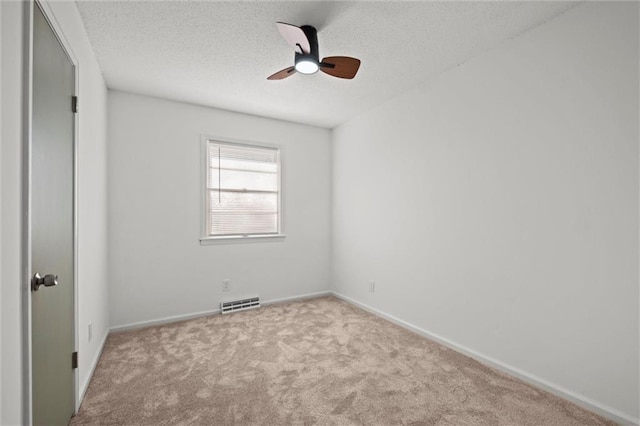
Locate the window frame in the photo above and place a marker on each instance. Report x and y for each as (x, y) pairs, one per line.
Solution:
(206, 239)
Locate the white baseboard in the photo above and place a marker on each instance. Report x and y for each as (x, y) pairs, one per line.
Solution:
(580, 400)
(164, 320)
(296, 298)
(176, 318)
(92, 368)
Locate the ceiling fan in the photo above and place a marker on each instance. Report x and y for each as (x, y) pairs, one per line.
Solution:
(304, 41)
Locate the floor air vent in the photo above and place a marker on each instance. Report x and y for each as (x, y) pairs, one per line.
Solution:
(239, 305)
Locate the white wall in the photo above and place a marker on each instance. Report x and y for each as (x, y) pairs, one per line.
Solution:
(92, 244)
(497, 207)
(0, 213)
(158, 267)
(11, 157)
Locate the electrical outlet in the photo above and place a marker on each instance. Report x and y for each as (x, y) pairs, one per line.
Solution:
(226, 285)
(90, 331)
(372, 286)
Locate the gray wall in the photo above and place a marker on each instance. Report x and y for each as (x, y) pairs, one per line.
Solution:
(497, 207)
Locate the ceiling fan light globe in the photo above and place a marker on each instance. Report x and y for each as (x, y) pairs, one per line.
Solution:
(307, 66)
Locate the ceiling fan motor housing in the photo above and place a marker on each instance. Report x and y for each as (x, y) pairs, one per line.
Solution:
(304, 41)
(313, 56)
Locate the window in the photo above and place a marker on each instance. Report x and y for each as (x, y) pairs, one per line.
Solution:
(242, 191)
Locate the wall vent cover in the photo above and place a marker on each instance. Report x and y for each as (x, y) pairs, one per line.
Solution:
(239, 305)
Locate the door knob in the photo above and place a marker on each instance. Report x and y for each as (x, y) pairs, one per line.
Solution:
(48, 280)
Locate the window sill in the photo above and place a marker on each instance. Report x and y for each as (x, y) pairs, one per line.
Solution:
(205, 241)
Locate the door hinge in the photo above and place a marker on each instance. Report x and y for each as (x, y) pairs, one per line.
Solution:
(74, 360)
(74, 104)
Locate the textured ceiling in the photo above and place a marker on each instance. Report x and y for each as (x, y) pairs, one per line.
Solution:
(219, 54)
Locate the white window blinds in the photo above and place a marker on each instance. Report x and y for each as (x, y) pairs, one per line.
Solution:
(242, 190)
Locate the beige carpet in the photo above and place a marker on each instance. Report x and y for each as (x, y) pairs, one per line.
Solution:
(320, 361)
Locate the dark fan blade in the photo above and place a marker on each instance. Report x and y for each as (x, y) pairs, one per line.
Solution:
(340, 66)
(295, 37)
(282, 74)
